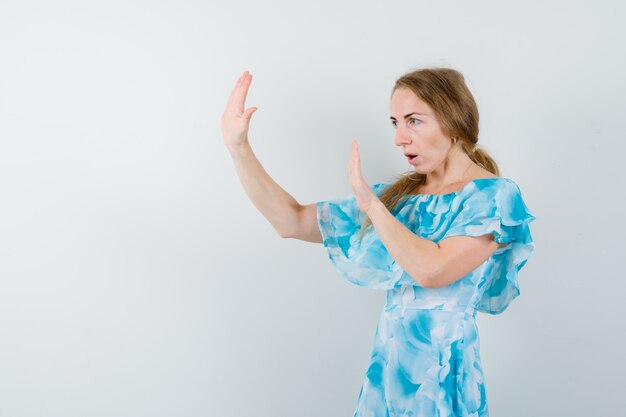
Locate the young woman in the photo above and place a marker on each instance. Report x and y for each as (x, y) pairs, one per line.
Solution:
(444, 242)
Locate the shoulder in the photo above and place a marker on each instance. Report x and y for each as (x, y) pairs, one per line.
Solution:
(489, 192)
(496, 195)
(494, 184)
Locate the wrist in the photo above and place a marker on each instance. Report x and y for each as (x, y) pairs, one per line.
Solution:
(239, 150)
(376, 206)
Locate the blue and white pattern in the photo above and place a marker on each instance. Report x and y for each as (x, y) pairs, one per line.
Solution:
(425, 361)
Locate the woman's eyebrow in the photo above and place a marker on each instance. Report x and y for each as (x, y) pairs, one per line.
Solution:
(410, 114)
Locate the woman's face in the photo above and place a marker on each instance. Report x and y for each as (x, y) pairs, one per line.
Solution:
(418, 132)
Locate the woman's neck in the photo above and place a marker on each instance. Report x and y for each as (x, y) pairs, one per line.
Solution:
(456, 168)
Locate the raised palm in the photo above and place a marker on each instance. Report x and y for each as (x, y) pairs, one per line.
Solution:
(235, 121)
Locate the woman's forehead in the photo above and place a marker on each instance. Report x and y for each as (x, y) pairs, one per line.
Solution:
(405, 101)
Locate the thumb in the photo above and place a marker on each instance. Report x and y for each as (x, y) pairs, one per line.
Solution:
(248, 113)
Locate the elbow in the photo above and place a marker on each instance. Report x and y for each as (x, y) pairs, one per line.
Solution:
(289, 227)
(429, 271)
(430, 283)
(288, 233)
(430, 276)
(426, 279)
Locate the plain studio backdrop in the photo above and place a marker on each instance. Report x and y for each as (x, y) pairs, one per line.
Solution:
(137, 278)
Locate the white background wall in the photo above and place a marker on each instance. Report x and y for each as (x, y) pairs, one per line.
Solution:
(137, 279)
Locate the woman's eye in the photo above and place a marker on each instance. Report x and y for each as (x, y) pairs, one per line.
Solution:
(393, 123)
(414, 121)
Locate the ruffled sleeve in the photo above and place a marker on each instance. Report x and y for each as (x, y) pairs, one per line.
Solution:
(364, 262)
(497, 209)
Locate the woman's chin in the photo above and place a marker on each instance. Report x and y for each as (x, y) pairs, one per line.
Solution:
(420, 169)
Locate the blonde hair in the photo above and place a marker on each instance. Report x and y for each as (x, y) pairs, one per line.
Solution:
(445, 91)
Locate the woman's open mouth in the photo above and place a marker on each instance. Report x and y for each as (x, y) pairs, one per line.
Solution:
(411, 158)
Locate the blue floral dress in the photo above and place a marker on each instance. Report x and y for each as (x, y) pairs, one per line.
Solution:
(425, 360)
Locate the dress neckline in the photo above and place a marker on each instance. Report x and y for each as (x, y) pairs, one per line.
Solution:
(452, 193)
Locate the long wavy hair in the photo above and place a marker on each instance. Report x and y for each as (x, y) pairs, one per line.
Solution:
(445, 91)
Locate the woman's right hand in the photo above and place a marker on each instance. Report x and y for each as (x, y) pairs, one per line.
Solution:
(235, 121)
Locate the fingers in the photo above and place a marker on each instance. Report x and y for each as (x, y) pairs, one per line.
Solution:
(353, 168)
(243, 89)
(233, 93)
(248, 113)
(240, 78)
(355, 154)
(237, 97)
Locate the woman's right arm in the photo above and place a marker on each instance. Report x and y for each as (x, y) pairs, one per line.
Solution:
(289, 218)
(286, 215)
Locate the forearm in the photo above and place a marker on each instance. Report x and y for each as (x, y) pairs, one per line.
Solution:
(415, 255)
(278, 206)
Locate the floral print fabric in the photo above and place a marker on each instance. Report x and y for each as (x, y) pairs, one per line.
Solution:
(425, 360)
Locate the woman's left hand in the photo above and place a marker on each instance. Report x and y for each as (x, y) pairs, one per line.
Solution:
(362, 191)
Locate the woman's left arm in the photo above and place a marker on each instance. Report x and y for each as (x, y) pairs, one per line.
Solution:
(431, 264)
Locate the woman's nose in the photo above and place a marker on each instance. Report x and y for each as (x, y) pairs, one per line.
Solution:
(402, 137)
